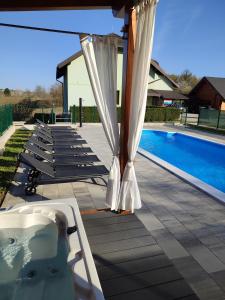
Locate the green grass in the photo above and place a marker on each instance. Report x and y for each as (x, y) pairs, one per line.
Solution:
(207, 129)
(8, 161)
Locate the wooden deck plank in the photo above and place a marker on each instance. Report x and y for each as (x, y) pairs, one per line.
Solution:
(129, 262)
(123, 244)
(107, 228)
(133, 266)
(111, 258)
(104, 221)
(138, 281)
(117, 236)
(173, 290)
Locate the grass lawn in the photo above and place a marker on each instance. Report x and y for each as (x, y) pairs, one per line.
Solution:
(8, 161)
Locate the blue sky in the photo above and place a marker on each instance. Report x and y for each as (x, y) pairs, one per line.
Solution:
(188, 35)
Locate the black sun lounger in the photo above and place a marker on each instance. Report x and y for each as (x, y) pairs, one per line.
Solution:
(59, 141)
(53, 128)
(60, 133)
(44, 173)
(60, 160)
(60, 150)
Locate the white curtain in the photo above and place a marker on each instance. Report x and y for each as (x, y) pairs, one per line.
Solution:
(100, 54)
(129, 198)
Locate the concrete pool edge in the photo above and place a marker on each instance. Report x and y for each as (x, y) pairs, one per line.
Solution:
(199, 184)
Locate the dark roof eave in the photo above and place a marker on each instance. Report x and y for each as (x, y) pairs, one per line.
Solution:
(217, 83)
(61, 67)
(27, 5)
(174, 95)
(157, 67)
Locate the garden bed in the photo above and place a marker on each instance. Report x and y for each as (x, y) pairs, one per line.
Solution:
(9, 159)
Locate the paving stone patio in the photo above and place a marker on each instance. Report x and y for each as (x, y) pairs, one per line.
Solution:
(187, 224)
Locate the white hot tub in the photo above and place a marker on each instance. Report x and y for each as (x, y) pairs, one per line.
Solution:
(45, 255)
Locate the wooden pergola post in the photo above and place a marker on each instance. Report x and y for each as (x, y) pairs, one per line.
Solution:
(128, 55)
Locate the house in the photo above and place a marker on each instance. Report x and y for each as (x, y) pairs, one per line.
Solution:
(76, 83)
(209, 93)
(162, 89)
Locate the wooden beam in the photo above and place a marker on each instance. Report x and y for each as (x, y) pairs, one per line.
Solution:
(29, 5)
(128, 57)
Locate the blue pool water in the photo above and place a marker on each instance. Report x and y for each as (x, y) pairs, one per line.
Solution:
(202, 159)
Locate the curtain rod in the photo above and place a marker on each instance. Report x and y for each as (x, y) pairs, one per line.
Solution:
(48, 29)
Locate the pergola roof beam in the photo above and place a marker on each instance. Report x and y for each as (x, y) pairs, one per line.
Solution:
(30, 5)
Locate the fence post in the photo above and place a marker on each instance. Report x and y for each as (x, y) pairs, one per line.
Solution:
(185, 123)
(81, 112)
(42, 114)
(218, 121)
(73, 111)
(199, 116)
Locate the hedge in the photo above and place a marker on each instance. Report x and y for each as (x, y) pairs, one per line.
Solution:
(153, 114)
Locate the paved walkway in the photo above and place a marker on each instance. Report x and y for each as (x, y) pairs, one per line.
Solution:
(188, 225)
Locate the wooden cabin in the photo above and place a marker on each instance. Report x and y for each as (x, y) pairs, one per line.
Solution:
(209, 93)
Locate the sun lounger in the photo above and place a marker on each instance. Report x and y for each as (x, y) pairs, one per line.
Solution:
(60, 160)
(60, 150)
(44, 173)
(53, 128)
(59, 140)
(60, 134)
(66, 133)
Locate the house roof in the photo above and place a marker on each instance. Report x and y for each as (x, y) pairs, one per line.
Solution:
(61, 67)
(157, 67)
(23, 5)
(165, 94)
(218, 83)
(174, 95)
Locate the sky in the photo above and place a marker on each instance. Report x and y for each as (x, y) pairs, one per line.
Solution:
(188, 35)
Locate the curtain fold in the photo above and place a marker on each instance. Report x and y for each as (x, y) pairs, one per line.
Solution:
(129, 198)
(100, 54)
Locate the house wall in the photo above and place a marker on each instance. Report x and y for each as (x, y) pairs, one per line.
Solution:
(205, 96)
(223, 106)
(79, 83)
(158, 82)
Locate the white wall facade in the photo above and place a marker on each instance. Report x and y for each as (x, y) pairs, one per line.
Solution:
(78, 83)
(159, 81)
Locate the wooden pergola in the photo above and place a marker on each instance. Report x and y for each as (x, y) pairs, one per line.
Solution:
(121, 8)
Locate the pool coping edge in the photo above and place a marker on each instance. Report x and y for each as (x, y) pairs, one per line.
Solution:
(197, 183)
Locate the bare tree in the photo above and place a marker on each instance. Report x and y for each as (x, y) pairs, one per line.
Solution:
(186, 81)
(56, 94)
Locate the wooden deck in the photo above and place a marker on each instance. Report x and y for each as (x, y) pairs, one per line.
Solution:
(129, 262)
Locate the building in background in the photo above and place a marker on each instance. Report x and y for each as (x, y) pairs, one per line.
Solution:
(76, 83)
(208, 93)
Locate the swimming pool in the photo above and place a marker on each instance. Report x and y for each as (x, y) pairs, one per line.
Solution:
(202, 159)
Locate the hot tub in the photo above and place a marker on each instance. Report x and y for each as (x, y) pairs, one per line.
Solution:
(45, 255)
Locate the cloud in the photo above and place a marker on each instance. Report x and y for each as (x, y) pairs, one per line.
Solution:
(166, 24)
(195, 14)
(174, 18)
